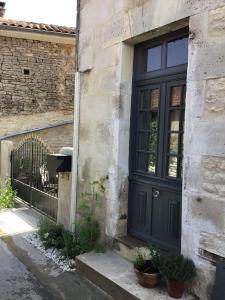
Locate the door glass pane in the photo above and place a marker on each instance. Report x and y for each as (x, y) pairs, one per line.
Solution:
(177, 52)
(144, 100)
(151, 162)
(154, 58)
(142, 161)
(175, 131)
(174, 138)
(155, 95)
(143, 141)
(154, 129)
(144, 120)
(153, 142)
(174, 120)
(172, 167)
(176, 96)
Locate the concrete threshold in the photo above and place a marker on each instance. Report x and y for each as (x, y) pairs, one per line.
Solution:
(115, 275)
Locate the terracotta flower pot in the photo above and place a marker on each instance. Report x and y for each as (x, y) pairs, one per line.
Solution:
(147, 280)
(175, 289)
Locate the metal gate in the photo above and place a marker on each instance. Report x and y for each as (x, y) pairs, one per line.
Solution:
(30, 177)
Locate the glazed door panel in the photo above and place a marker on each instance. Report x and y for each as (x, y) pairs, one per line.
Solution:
(156, 142)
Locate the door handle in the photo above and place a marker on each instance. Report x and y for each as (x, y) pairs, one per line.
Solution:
(156, 194)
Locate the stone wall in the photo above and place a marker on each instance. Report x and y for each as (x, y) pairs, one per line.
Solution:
(55, 138)
(35, 76)
(16, 124)
(36, 90)
(106, 44)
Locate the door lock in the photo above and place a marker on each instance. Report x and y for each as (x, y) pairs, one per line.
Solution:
(156, 194)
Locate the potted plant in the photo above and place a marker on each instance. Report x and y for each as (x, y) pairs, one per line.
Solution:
(146, 267)
(178, 270)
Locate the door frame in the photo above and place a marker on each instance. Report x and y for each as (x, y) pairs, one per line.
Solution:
(141, 80)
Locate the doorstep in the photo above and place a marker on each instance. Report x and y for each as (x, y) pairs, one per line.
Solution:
(115, 275)
(127, 246)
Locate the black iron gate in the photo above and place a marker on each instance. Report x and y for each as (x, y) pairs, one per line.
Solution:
(31, 179)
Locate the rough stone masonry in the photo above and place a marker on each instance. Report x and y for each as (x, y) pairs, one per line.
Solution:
(35, 76)
(37, 87)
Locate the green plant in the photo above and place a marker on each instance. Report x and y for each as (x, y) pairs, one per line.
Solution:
(143, 263)
(139, 261)
(71, 247)
(88, 228)
(88, 236)
(51, 234)
(178, 268)
(7, 194)
(55, 235)
(154, 255)
(123, 217)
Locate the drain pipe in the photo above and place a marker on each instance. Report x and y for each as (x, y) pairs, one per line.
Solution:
(76, 127)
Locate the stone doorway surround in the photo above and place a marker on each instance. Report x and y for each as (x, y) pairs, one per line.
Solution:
(119, 169)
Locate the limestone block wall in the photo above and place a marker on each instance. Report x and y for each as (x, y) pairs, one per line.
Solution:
(35, 76)
(105, 61)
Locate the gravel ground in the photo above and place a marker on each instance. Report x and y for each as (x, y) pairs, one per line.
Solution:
(51, 253)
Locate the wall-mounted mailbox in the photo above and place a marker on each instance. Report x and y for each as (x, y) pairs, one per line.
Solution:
(59, 163)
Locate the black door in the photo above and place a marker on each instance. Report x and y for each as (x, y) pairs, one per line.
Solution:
(156, 140)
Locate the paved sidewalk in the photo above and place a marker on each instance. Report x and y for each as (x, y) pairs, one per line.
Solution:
(25, 273)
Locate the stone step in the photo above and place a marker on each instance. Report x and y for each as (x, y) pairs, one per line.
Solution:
(127, 246)
(115, 275)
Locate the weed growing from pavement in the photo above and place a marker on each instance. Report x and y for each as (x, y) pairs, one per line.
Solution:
(7, 194)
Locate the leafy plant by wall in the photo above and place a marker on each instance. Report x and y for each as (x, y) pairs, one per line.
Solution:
(88, 228)
(178, 268)
(7, 194)
(71, 246)
(51, 234)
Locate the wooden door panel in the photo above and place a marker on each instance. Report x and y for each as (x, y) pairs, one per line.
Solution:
(140, 209)
(166, 218)
(155, 219)
(174, 219)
